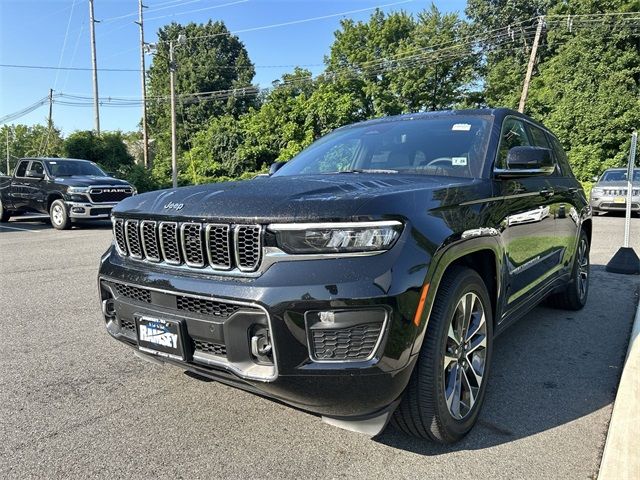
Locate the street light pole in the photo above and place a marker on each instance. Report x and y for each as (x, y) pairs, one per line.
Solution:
(174, 139)
(94, 65)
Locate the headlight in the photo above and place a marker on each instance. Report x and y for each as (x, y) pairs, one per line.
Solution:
(597, 191)
(78, 190)
(336, 237)
(134, 190)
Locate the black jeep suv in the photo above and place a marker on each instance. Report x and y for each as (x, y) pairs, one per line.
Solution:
(364, 280)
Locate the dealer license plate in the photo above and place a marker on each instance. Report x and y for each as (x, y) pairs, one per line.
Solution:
(619, 200)
(160, 336)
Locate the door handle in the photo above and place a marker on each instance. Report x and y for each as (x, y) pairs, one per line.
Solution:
(547, 192)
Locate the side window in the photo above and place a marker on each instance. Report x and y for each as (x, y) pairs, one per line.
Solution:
(561, 157)
(37, 167)
(538, 137)
(514, 134)
(22, 168)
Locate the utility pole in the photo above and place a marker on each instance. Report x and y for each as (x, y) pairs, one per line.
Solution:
(172, 85)
(174, 139)
(92, 32)
(8, 156)
(145, 138)
(50, 108)
(532, 61)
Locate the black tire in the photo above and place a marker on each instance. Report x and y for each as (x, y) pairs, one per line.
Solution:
(423, 411)
(574, 296)
(59, 215)
(5, 215)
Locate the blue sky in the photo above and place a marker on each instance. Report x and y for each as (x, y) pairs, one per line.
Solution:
(55, 32)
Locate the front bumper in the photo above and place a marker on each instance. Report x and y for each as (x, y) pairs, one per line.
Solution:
(612, 204)
(89, 211)
(219, 346)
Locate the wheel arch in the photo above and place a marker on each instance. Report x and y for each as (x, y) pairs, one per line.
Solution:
(52, 197)
(480, 254)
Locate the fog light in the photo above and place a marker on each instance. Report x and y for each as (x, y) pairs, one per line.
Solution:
(78, 210)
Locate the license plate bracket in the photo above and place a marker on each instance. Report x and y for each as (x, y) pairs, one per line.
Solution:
(160, 336)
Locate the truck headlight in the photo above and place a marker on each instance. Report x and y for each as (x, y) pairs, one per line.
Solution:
(78, 190)
(339, 237)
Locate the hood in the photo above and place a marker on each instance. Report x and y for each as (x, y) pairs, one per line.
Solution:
(622, 184)
(287, 198)
(90, 181)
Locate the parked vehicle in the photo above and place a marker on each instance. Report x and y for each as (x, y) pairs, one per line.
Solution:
(365, 279)
(66, 189)
(609, 194)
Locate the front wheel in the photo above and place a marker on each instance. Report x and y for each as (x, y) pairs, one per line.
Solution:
(59, 215)
(446, 390)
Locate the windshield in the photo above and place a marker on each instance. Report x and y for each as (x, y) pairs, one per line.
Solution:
(73, 168)
(619, 176)
(448, 145)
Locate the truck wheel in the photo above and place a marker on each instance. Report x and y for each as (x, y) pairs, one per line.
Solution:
(446, 390)
(59, 215)
(5, 215)
(574, 296)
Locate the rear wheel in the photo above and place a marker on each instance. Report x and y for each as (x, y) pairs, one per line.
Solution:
(5, 215)
(59, 215)
(574, 296)
(447, 387)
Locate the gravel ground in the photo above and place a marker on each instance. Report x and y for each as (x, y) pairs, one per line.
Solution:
(75, 403)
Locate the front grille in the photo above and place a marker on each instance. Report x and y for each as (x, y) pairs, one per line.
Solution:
(197, 245)
(211, 348)
(128, 325)
(134, 293)
(100, 211)
(620, 192)
(354, 343)
(206, 307)
(109, 195)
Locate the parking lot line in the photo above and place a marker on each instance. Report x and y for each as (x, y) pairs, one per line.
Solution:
(21, 229)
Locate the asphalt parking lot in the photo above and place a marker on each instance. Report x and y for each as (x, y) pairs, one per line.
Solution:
(74, 403)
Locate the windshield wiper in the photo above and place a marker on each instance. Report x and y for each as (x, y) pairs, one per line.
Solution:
(367, 170)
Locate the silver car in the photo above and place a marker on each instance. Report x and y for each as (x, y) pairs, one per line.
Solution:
(609, 194)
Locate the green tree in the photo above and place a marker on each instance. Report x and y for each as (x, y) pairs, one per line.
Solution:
(31, 141)
(108, 150)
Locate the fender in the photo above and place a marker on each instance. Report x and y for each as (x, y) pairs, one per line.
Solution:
(468, 242)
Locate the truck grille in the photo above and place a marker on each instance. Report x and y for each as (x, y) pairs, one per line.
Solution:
(620, 192)
(109, 194)
(197, 245)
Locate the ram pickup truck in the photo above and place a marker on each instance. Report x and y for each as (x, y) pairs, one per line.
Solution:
(66, 189)
(366, 279)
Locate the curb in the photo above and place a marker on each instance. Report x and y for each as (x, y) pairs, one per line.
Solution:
(620, 459)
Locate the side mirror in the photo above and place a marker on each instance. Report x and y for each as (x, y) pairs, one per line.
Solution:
(275, 167)
(34, 174)
(527, 162)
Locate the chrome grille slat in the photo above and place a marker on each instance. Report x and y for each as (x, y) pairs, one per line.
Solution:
(248, 247)
(118, 235)
(218, 245)
(169, 242)
(149, 238)
(132, 235)
(194, 244)
(191, 240)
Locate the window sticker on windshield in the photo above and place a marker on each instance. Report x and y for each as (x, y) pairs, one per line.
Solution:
(52, 163)
(461, 127)
(459, 161)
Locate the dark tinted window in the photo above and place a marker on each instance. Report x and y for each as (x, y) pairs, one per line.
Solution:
(619, 176)
(561, 157)
(37, 167)
(22, 169)
(449, 145)
(71, 168)
(514, 134)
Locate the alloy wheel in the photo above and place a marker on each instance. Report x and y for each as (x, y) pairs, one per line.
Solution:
(465, 354)
(57, 214)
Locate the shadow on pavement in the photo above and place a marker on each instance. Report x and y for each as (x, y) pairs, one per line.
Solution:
(37, 223)
(549, 368)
